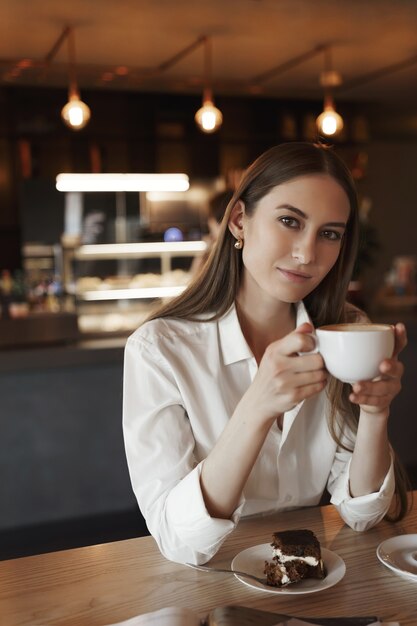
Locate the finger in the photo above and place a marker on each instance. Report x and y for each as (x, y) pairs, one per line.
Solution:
(305, 327)
(361, 392)
(376, 401)
(297, 341)
(290, 380)
(312, 390)
(303, 337)
(304, 379)
(391, 368)
(306, 391)
(372, 398)
(378, 389)
(383, 400)
(308, 363)
(400, 338)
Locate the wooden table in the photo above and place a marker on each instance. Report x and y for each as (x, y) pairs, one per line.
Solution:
(108, 583)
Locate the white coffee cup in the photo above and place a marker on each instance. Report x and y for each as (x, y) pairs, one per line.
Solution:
(354, 352)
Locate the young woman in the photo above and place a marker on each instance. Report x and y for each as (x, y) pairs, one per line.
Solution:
(227, 412)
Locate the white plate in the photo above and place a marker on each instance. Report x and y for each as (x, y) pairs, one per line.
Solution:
(252, 560)
(400, 555)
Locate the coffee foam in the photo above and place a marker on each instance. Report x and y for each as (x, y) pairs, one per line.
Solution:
(356, 327)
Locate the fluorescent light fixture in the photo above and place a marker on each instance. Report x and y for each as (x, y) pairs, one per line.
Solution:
(132, 294)
(139, 250)
(122, 182)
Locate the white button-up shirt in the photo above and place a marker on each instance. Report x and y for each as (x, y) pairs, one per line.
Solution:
(182, 382)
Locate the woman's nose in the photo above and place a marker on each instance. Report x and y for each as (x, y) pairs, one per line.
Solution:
(304, 251)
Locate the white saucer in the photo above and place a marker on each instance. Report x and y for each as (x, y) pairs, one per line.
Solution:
(252, 560)
(400, 555)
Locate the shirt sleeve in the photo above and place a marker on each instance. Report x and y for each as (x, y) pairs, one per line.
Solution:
(165, 475)
(361, 512)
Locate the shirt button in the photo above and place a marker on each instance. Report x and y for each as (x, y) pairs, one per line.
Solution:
(288, 498)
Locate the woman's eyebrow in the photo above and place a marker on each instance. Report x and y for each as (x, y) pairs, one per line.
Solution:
(293, 209)
(289, 207)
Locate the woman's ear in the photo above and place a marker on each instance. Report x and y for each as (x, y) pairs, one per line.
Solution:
(236, 219)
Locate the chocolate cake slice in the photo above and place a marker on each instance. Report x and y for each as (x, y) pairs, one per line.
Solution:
(296, 555)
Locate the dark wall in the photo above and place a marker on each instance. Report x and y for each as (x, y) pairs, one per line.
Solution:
(391, 185)
(149, 132)
(128, 132)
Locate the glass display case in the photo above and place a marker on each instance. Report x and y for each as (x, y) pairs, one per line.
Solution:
(117, 299)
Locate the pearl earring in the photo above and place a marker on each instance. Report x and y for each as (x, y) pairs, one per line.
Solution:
(239, 244)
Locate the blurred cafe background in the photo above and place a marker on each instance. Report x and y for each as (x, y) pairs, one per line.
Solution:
(173, 100)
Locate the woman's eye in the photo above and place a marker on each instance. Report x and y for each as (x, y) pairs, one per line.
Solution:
(332, 235)
(289, 222)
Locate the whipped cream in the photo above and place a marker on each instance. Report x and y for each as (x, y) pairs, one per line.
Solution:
(284, 558)
(285, 578)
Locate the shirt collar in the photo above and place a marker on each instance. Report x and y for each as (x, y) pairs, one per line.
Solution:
(234, 346)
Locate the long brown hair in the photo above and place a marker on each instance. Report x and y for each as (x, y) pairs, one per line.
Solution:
(214, 289)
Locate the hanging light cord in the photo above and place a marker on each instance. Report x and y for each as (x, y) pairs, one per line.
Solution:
(54, 50)
(181, 54)
(328, 67)
(287, 65)
(68, 35)
(381, 73)
(73, 88)
(208, 93)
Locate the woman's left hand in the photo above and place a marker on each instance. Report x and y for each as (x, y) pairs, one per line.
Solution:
(375, 396)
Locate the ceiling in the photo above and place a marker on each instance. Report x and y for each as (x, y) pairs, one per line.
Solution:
(121, 43)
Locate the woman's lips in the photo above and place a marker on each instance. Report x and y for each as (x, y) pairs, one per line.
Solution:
(295, 277)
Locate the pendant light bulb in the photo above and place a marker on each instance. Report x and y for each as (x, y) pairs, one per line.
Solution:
(329, 122)
(209, 118)
(76, 113)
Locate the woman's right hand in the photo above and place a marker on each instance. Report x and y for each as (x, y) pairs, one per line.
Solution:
(285, 377)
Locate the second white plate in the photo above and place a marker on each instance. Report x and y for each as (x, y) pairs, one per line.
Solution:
(252, 560)
(400, 555)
